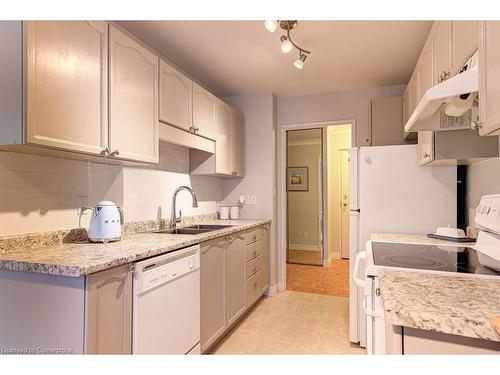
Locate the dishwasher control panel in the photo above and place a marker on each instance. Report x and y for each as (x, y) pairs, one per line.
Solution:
(163, 269)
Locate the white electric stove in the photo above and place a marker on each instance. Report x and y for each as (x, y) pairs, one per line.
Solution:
(482, 259)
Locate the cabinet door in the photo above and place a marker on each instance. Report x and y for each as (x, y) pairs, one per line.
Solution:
(236, 280)
(67, 85)
(213, 292)
(406, 107)
(265, 257)
(109, 312)
(463, 42)
(426, 146)
(442, 51)
(176, 96)
(413, 93)
(238, 148)
(133, 99)
(424, 72)
(223, 140)
(204, 104)
(489, 78)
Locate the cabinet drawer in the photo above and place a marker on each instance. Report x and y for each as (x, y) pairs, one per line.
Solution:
(253, 235)
(254, 288)
(253, 250)
(254, 266)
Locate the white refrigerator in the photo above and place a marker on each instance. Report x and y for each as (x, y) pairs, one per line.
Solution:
(391, 193)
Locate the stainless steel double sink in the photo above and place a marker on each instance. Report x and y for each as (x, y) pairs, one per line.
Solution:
(193, 229)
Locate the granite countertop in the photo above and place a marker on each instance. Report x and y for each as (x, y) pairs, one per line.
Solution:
(458, 305)
(413, 238)
(78, 259)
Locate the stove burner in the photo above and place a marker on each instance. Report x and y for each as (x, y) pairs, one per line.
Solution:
(415, 262)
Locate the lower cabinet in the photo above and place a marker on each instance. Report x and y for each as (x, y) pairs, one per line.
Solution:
(108, 311)
(213, 291)
(234, 275)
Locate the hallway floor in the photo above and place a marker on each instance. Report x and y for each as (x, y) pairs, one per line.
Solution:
(293, 323)
(304, 257)
(333, 280)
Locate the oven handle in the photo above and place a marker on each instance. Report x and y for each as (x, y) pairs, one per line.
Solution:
(360, 283)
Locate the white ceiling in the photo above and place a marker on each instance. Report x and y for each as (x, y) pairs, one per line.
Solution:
(242, 57)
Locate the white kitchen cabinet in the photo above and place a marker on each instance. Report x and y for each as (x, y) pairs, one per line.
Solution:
(67, 85)
(133, 112)
(109, 311)
(424, 71)
(489, 78)
(235, 269)
(464, 42)
(223, 139)
(265, 257)
(213, 291)
(238, 144)
(442, 51)
(176, 97)
(426, 146)
(204, 107)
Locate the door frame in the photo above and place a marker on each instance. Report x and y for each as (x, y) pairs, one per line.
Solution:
(281, 188)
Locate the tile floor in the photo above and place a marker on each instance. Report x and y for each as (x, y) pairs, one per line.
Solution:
(293, 323)
(333, 280)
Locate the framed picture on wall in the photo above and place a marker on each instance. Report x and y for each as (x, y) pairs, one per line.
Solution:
(298, 179)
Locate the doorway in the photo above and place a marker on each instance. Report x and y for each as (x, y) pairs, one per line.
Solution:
(304, 169)
(317, 208)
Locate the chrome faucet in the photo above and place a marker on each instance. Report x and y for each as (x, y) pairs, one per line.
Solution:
(173, 219)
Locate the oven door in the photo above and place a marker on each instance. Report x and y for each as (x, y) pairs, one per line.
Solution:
(375, 322)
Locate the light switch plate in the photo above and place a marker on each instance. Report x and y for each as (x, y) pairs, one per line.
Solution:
(248, 200)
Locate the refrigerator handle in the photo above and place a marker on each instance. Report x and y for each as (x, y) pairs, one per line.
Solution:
(360, 283)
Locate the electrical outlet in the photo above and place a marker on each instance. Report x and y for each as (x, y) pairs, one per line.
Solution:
(248, 200)
(82, 201)
(253, 199)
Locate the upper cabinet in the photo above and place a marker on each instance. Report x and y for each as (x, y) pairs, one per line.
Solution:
(176, 97)
(464, 42)
(424, 71)
(441, 48)
(204, 107)
(489, 78)
(223, 139)
(67, 85)
(133, 99)
(238, 149)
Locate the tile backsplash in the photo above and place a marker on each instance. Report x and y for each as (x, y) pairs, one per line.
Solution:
(39, 194)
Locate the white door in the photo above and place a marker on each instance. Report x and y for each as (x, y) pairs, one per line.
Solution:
(133, 99)
(67, 65)
(176, 96)
(344, 203)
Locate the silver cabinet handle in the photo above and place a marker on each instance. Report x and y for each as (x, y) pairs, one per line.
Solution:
(476, 125)
(254, 252)
(115, 153)
(255, 284)
(254, 269)
(105, 152)
(426, 155)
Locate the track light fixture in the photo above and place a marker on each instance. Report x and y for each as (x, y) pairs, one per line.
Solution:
(287, 44)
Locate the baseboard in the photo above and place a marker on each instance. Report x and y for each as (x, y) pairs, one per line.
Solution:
(327, 262)
(304, 247)
(272, 290)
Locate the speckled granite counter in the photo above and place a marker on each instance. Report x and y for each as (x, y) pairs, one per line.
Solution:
(76, 259)
(456, 305)
(413, 238)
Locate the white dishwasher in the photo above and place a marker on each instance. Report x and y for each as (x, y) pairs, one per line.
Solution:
(166, 306)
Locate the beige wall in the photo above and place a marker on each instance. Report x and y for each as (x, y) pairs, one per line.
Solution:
(339, 137)
(335, 106)
(303, 206)
(39, 194)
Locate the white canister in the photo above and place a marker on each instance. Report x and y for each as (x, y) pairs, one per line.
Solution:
(224, 213)
(235, 212)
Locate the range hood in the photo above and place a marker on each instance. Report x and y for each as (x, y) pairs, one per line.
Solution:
(450, 104)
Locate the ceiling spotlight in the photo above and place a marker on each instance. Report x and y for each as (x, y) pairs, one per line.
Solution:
(286, 45)
(299, 63)
(271, 25)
